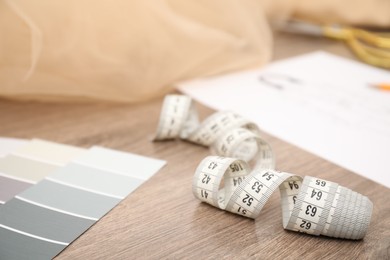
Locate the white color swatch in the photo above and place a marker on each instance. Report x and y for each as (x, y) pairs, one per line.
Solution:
(8, 145)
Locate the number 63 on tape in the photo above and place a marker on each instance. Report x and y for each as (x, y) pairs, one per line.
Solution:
(310, 205)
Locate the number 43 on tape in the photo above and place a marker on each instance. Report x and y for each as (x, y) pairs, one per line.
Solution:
(309, 204)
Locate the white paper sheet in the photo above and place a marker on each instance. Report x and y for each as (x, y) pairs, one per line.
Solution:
(319, 102)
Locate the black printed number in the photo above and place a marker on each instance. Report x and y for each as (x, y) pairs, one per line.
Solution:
(293, 185)
(235, 167)
(316, 194)
(321, 183)
(305, 224)
(212, 165)
(204, 194)
(248, 200)
(257, 187)
(237, 181)
(241, 210)
(268, 176)
(311, 210)
(206, 179)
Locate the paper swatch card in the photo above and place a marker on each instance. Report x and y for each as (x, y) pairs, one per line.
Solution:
(30, 162)
(17, 174)
(8, 145)
(49, 152)
(41, 221)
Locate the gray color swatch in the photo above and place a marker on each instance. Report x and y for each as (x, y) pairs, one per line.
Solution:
(10, 188)
(15, 246)
(42, 222)
(70, 199)
(97, 180)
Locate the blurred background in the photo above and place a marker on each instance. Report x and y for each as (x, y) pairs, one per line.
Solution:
(130, 51)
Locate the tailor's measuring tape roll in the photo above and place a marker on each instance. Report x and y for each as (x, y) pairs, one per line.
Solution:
(227, 133)
(310, 205)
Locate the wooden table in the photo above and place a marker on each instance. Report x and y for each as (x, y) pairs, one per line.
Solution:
(162, 219)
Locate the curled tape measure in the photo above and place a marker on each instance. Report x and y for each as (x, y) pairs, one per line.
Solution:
(310, 205)
(227, 133)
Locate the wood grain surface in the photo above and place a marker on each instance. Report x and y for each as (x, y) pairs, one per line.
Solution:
(162, 219)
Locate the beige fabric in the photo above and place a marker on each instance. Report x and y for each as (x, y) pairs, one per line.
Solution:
(129, 50)
(124, 50)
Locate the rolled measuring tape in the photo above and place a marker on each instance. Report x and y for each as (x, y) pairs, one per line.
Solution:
(226, 133)
(309, 205)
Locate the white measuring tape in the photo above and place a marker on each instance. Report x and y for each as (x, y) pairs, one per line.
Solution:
(310, 205)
